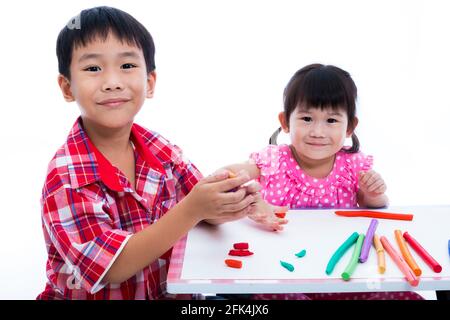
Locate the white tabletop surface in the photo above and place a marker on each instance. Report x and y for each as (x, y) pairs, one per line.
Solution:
(320, 233)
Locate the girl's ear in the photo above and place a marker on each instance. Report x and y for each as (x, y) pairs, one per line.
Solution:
(351, 127)
(283, 122)
(151, 81)
(64, 84)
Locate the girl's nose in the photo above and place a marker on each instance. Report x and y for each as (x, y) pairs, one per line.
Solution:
(317, 130)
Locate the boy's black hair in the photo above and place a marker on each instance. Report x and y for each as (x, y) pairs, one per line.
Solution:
(99, 22)
(322, 86)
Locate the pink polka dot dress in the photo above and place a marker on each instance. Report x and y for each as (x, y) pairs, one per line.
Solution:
(284, 183)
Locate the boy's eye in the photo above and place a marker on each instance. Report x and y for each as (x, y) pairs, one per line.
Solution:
(92, 69)
(306, 119)
(128, 66)
(331, 120)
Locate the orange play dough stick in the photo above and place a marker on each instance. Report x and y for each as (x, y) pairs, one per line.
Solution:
(234, 263)
(406, 254)
(231, 174)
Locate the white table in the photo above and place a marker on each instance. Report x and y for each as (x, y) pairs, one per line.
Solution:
(198, 266)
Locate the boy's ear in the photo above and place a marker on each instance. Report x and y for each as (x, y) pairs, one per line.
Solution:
(64, 84)
(351, 127)
(151, 81)
(283, 122)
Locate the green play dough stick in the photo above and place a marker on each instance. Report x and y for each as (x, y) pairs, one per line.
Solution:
(340, 252)
(301, 254)
(354, 260)
(287, 265)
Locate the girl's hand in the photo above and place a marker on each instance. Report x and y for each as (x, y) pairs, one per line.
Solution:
(264, 213)
(371, 183)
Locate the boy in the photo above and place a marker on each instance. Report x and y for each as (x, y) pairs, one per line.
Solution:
(117, 197)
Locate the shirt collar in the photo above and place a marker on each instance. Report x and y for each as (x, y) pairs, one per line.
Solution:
(87, 164)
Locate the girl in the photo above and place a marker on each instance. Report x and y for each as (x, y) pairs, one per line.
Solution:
(316, 170)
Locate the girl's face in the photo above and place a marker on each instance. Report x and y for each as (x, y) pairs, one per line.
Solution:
(317, 134)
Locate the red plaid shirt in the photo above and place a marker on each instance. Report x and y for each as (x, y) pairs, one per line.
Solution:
(90, 210)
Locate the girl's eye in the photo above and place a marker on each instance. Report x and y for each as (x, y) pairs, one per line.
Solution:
(306, 119)
(92, 69)
(128, 66)
(331, 120)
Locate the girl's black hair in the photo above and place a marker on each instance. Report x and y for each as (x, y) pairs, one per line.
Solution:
(323, 86)
(99, 22)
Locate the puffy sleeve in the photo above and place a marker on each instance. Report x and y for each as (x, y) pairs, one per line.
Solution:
(83, 234)
(361, 162)
(267, 160)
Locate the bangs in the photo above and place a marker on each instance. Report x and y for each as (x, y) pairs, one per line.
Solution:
(96, 24)
(321, 89)
(99, 27)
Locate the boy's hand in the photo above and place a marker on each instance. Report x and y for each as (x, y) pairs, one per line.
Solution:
(264, 213)
(211, 199)
(371, 183)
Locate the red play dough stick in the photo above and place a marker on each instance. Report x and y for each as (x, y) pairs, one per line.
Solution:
(375, 214)
(240, 245)
(240, 253)
(280, 214)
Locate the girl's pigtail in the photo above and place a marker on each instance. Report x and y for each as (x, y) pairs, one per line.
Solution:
(274, 136)
(355, 145)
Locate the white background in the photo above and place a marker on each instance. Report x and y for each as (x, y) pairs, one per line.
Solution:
(222, 67)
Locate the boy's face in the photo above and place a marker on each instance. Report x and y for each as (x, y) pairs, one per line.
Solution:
(109, 81)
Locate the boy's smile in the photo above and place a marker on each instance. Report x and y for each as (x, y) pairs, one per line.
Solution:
(113, 102)
(109, 81)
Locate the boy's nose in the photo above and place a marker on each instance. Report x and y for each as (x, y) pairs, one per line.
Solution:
(112, 87)
(112, 83)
